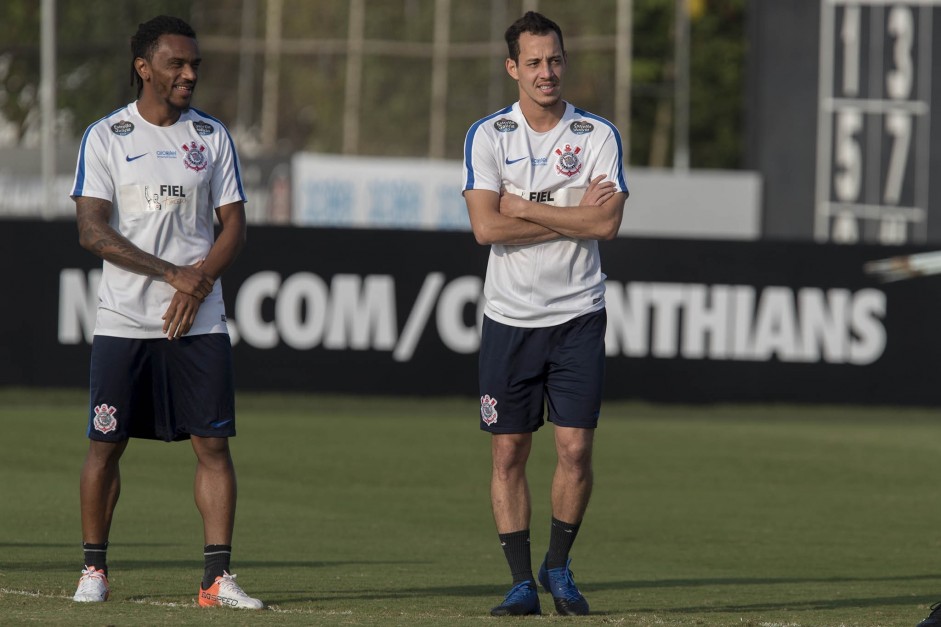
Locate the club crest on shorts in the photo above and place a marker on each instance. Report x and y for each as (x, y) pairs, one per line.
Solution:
(488, 409)
(105, 422)
(194, 159)
(569, 164)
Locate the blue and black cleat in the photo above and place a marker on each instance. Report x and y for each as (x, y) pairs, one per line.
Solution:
(521, 600)
(559, 583)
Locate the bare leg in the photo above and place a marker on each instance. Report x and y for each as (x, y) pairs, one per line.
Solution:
(509, 490)
(215, 493)
(215, 488)
(512, 507)
(573, 480)
(571, 490)
(99, 488)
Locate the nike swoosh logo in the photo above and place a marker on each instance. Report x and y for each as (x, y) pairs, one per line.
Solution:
(220, 423)
(130, 158)
(512, 161)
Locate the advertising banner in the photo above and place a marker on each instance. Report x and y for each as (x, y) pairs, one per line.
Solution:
(397, 312)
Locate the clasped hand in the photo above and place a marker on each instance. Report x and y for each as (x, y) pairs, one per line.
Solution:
(193, 286)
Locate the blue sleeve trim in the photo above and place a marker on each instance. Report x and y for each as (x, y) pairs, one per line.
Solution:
(622, 183)
(235, 158)
(80, 175)
(469, 145)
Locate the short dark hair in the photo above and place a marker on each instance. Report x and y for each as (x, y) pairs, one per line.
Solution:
(144, 41)
(534, 24)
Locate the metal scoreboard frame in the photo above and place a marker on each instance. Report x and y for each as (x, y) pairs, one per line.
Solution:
(874, 121)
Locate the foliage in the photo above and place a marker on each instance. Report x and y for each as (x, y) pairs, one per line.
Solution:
(93, 70)
(717, 90)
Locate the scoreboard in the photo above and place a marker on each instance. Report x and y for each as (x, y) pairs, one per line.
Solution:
(873, 178)
(840, 95)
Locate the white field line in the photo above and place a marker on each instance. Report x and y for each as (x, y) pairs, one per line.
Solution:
(273, 608)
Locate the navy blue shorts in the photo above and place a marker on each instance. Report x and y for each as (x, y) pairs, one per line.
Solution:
(523, 370)
(158, 389)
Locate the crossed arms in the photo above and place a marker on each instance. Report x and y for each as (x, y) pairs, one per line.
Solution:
(505, 218)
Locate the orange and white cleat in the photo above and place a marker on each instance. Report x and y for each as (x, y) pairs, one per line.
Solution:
(92, 586)
(224, 592)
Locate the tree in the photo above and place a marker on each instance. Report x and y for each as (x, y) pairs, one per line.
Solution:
(93, 70)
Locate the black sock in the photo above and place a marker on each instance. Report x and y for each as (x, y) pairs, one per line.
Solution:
(561, 538)
(516, 548)
(96, 555)
(216, 557)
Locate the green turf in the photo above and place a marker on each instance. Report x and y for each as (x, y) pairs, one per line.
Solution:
(374, 511)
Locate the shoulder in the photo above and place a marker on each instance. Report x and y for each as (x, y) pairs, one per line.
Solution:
(206, 125)
(583, 122)
(503, 121)
(118, 122)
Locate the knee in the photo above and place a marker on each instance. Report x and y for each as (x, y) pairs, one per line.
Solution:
(104, 454)
(509, 457)
(212, 451)
(575, 457)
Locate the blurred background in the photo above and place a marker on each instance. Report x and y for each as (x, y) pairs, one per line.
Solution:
(402, 78)
(772, 149)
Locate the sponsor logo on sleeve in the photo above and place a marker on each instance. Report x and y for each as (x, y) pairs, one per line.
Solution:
(122, 128)
(580, 127)
(505, 126)
(203, 128)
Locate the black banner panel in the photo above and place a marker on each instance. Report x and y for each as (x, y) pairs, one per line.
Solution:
(398, 312)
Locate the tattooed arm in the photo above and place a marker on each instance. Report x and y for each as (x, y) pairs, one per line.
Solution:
(96, 235)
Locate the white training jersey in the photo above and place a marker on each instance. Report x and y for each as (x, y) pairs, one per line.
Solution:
(164, 183)
(541, 285)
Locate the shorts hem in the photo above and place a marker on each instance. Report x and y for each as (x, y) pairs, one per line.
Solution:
(98, 437)
(576, 425)
(215, 434)
(509, 431)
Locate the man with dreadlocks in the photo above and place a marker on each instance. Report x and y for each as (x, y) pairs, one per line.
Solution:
(148, 180)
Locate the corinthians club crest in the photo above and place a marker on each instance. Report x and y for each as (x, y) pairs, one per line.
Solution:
(488, 409)
(194, 157)
(569, 164)
(105, 422)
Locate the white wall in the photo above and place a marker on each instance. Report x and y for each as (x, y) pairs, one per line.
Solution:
(372, 192)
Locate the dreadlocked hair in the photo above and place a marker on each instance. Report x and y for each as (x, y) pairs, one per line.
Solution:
(144, 41)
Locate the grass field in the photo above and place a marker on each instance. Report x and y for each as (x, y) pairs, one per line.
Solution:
(375, 511)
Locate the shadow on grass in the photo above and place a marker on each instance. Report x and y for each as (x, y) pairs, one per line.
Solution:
(910, 600)
(118, 564)
(800, 606)
(43, 545)
(498, 590)
(744, 581)
(375, 586)
(73, 545)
